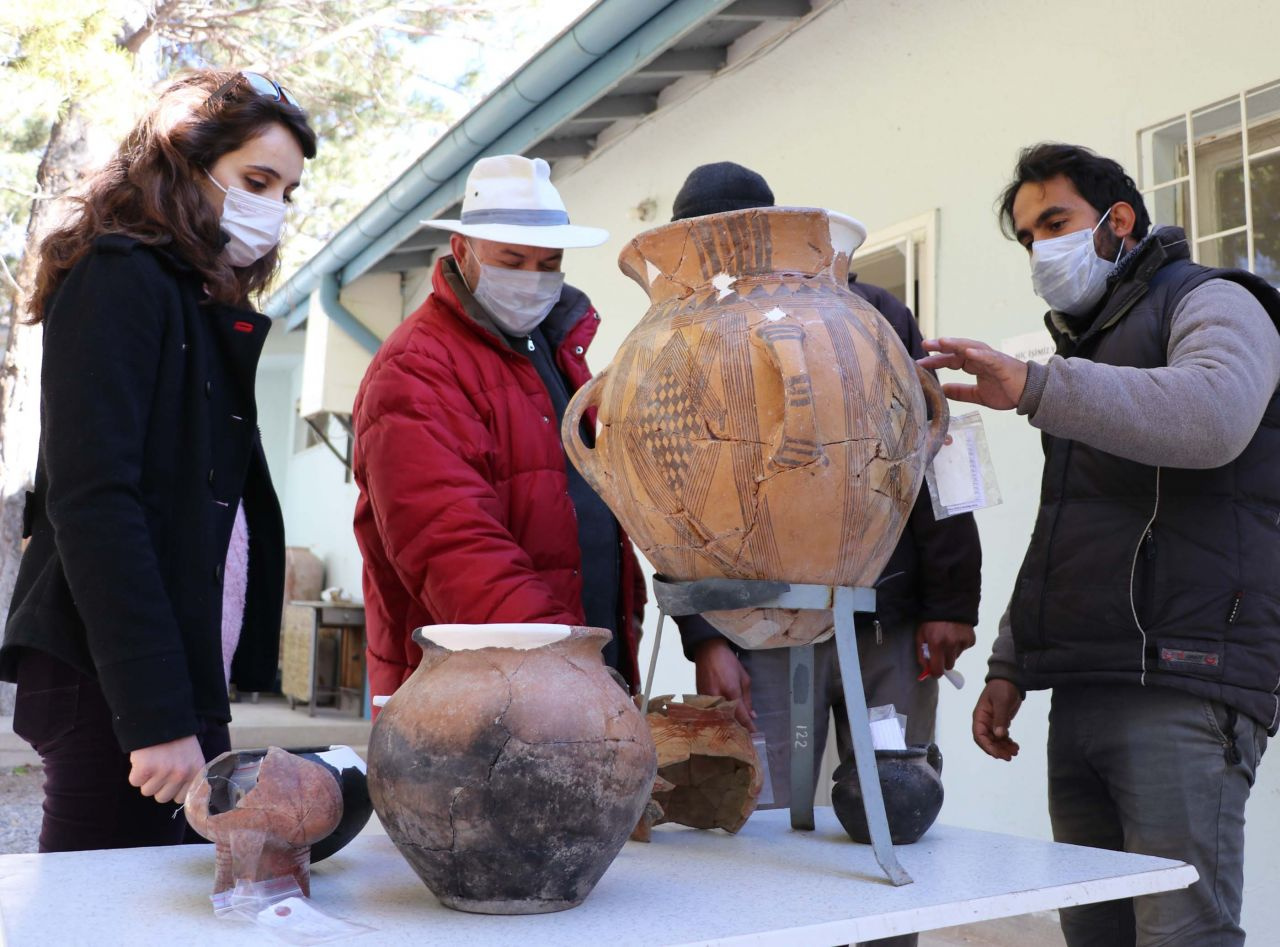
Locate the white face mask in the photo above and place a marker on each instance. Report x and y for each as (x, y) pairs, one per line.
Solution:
(517, 300)
(253, 223)
(1067, 272)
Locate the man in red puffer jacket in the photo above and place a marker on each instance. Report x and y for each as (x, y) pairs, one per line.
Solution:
(469, 511)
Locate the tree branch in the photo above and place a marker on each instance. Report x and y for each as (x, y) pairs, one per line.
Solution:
(19, 295)
(133, 42)
(33, 195)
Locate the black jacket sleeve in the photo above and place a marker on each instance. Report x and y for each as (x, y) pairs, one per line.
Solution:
(948, 554)
(103, 344)
(949, 557)
(694, 630)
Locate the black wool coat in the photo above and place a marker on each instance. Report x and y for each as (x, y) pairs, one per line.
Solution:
(149, 441)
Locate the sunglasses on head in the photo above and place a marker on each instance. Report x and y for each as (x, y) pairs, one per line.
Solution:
(260, 85)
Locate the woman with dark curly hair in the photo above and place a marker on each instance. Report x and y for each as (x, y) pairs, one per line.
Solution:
(154, 573)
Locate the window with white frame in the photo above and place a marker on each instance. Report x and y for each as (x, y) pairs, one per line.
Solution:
(1215, 172)
(902, 260)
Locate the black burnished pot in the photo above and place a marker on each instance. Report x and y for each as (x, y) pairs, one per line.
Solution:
(348, 769)
(911, 782)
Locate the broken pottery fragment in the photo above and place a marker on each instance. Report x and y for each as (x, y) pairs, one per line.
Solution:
(263, 812)
(652, 815)
(511, 767)
(761, 421)
(706, 757)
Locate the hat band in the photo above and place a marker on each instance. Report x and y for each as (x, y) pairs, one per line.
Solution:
(519, 217)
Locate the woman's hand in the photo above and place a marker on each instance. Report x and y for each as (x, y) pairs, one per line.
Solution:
(164, 771)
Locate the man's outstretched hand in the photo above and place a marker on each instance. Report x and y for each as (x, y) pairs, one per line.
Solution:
(1001, 378)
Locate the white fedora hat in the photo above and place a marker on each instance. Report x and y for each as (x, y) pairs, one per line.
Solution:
(511, 199)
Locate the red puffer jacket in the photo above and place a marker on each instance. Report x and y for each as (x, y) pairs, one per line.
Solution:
(464, 512)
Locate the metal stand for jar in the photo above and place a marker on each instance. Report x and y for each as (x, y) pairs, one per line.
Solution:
(710, 595)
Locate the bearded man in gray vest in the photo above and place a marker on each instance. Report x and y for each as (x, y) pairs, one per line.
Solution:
(1146, 599)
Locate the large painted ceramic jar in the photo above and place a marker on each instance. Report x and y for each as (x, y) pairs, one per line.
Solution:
(511, 766)
(762, 421)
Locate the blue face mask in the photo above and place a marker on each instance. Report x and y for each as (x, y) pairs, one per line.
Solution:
(1067, 272)
(517, 300)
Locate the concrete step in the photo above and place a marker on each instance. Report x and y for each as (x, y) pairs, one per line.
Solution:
(270, 722)
(1040, 929)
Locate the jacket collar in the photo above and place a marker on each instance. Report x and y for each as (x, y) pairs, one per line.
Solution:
(163, 251)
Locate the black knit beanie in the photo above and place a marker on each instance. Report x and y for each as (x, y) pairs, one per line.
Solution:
(716, 188)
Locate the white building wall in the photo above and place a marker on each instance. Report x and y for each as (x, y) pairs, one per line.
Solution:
(317, 502)
(887, 110)
(277, 416)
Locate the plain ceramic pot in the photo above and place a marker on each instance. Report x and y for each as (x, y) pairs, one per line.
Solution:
(911, 783)
(761, 421)
(510, 768)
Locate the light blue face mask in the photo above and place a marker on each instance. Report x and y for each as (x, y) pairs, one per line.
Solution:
(517, 300)
(1067, 272)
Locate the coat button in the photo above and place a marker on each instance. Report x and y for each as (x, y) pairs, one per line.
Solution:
(217, 572)
(578, 350)
(545, 419)
(595, 316)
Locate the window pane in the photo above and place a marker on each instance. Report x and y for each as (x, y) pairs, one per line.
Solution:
(886, 268)
(1164, 153)
(1215, 121)
(1265, 179)
(1230, 251)
(1220, 187)
(1262, 107)
(1169, 206)
(1264, 136)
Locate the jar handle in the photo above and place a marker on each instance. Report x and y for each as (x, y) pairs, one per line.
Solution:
(938, 406)
(584, 458)
(799, 442)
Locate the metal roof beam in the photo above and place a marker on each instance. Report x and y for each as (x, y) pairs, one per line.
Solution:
(551, 148)
(613, 107)
(766, 10)
(685, 62)
(425, 246)
(658, 32)
(599, 32)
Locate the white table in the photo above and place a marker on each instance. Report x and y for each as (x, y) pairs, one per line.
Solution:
(767, 885)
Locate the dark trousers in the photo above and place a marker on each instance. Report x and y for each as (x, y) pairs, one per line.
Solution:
(1159, 772)
(88, 802)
